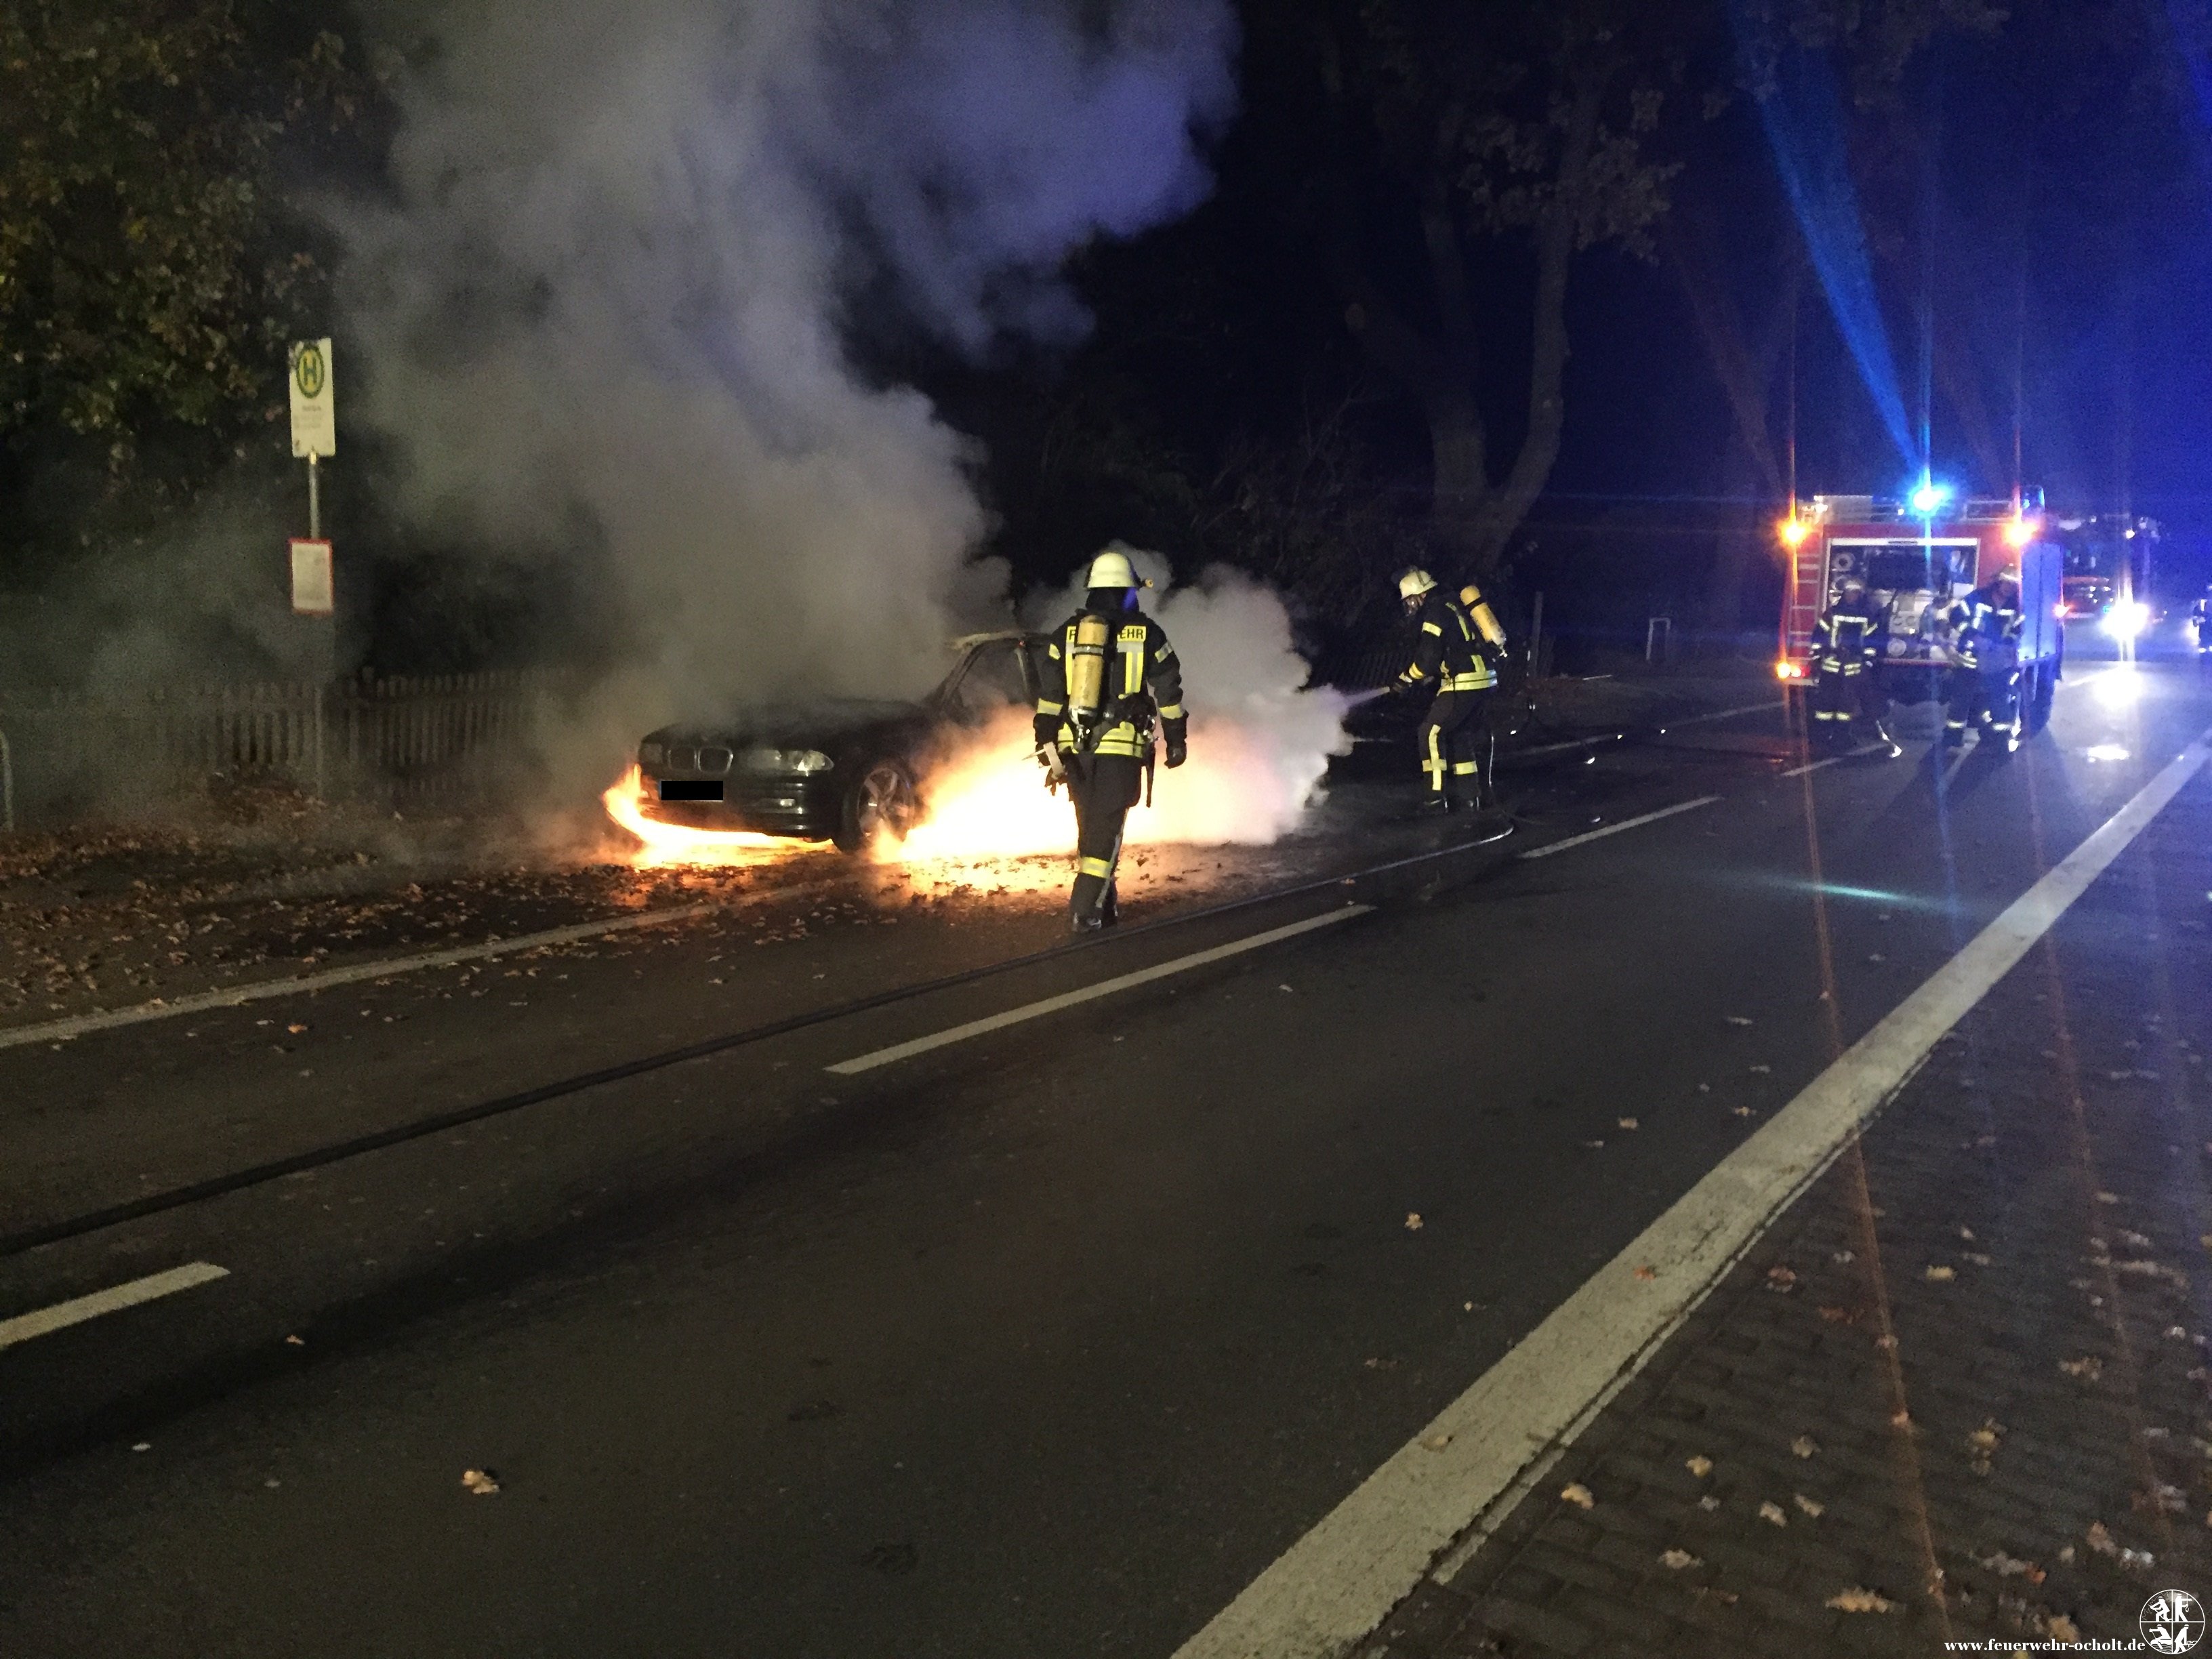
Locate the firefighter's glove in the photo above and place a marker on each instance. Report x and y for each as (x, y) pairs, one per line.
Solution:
(1056, 768)
(1178, 752)
(1177, 734)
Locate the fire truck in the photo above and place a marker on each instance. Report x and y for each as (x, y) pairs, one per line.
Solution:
(1916, 555)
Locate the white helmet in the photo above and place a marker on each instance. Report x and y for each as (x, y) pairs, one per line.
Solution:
(1112, 568)
(1414, 583)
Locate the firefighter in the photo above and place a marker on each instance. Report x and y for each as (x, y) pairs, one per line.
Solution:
(1454, 653)
(1109, 672)
(1847, 647)
(2200, 619)
(1985, 676)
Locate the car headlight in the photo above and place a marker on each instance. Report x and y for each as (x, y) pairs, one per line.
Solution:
(787, 763)
(651, 754)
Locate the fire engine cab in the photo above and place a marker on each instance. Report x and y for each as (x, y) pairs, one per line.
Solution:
(1916, 555)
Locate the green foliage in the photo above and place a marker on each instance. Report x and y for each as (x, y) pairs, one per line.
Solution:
(149, 274)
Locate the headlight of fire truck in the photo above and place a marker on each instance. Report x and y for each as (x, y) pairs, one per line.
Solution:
(2127, 618)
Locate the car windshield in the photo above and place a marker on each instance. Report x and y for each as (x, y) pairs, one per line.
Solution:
(993, 679)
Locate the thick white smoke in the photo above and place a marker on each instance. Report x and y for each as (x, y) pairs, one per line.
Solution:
(606, 308)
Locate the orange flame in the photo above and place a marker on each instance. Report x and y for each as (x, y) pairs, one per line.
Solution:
(985, 809)
(665, 844)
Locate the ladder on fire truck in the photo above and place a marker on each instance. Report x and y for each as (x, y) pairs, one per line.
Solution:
(1801, 606)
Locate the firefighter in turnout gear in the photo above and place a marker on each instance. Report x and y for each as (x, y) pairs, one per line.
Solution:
(1108, 673)
(1985, 676)
(1847, 647)
(1457, 646)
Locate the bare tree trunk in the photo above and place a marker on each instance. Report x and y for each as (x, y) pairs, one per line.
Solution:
(1557, 235)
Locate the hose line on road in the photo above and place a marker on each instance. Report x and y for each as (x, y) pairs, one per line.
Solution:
(34, 1237)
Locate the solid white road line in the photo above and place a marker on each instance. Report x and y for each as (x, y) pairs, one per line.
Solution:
(1105, 987)
(1331, 1588)
(1589, 836)
(24, 1327)
(237, 996)
(1725, 714)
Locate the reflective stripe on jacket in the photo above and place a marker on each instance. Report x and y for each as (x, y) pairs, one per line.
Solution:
(1446, 653)
(1142, 678)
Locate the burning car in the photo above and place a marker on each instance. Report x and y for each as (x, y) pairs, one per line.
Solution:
(840, 769)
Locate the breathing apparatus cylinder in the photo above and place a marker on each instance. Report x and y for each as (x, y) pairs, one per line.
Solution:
(1086, 669)
(1479, 611)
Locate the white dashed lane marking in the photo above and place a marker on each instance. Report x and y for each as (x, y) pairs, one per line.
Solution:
(1104, 987)
(114, 1299)
(1589, 836)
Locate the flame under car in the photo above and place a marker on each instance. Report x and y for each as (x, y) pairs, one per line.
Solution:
(839, 769)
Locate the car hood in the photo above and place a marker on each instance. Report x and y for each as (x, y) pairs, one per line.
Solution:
(815, 725)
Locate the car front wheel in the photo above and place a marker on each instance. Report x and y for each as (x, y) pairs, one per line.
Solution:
(882, 804)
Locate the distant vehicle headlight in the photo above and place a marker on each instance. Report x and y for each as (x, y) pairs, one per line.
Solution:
(651, 754)
(2127, 618)
(787, 762)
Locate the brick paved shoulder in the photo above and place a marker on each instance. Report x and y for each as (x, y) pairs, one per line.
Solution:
(1960, 1392)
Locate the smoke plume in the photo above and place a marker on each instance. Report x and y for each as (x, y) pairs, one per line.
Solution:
(604, 312)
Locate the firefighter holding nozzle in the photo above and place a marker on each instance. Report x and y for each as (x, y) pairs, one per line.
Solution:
(1985, 672)
(1458, 647)
(1847, 642)
(1108, 673)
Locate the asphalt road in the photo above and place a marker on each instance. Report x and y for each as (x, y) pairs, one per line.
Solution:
(1045, 1341)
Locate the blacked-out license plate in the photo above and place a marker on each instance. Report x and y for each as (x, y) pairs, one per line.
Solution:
(691, 789)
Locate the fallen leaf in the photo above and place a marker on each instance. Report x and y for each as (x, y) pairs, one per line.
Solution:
(1700, 1466)
(1763, 1070)
(1675, 1560)
(482, 1482)
(1808, 1506)
(1578, 1495)
(2109, 1198)
(2062, 1629)
(2088, 1367)
(1735, 1019)
(1626, 1122)
(1412, 1221)
(2101, 1540)
(1437, 1442)
(1805, 1446)
(296, 1341)
(1771, 1512)
(1901, 1418)
(1855, 1599)
(1709, 1503)
(296, 1029)
(1942, 1275)
(1779, 1277)
(1647, 1272)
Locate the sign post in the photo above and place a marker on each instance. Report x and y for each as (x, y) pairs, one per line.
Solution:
(314, 434)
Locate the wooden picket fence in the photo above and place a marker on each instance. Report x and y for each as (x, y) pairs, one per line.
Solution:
(442, 737)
